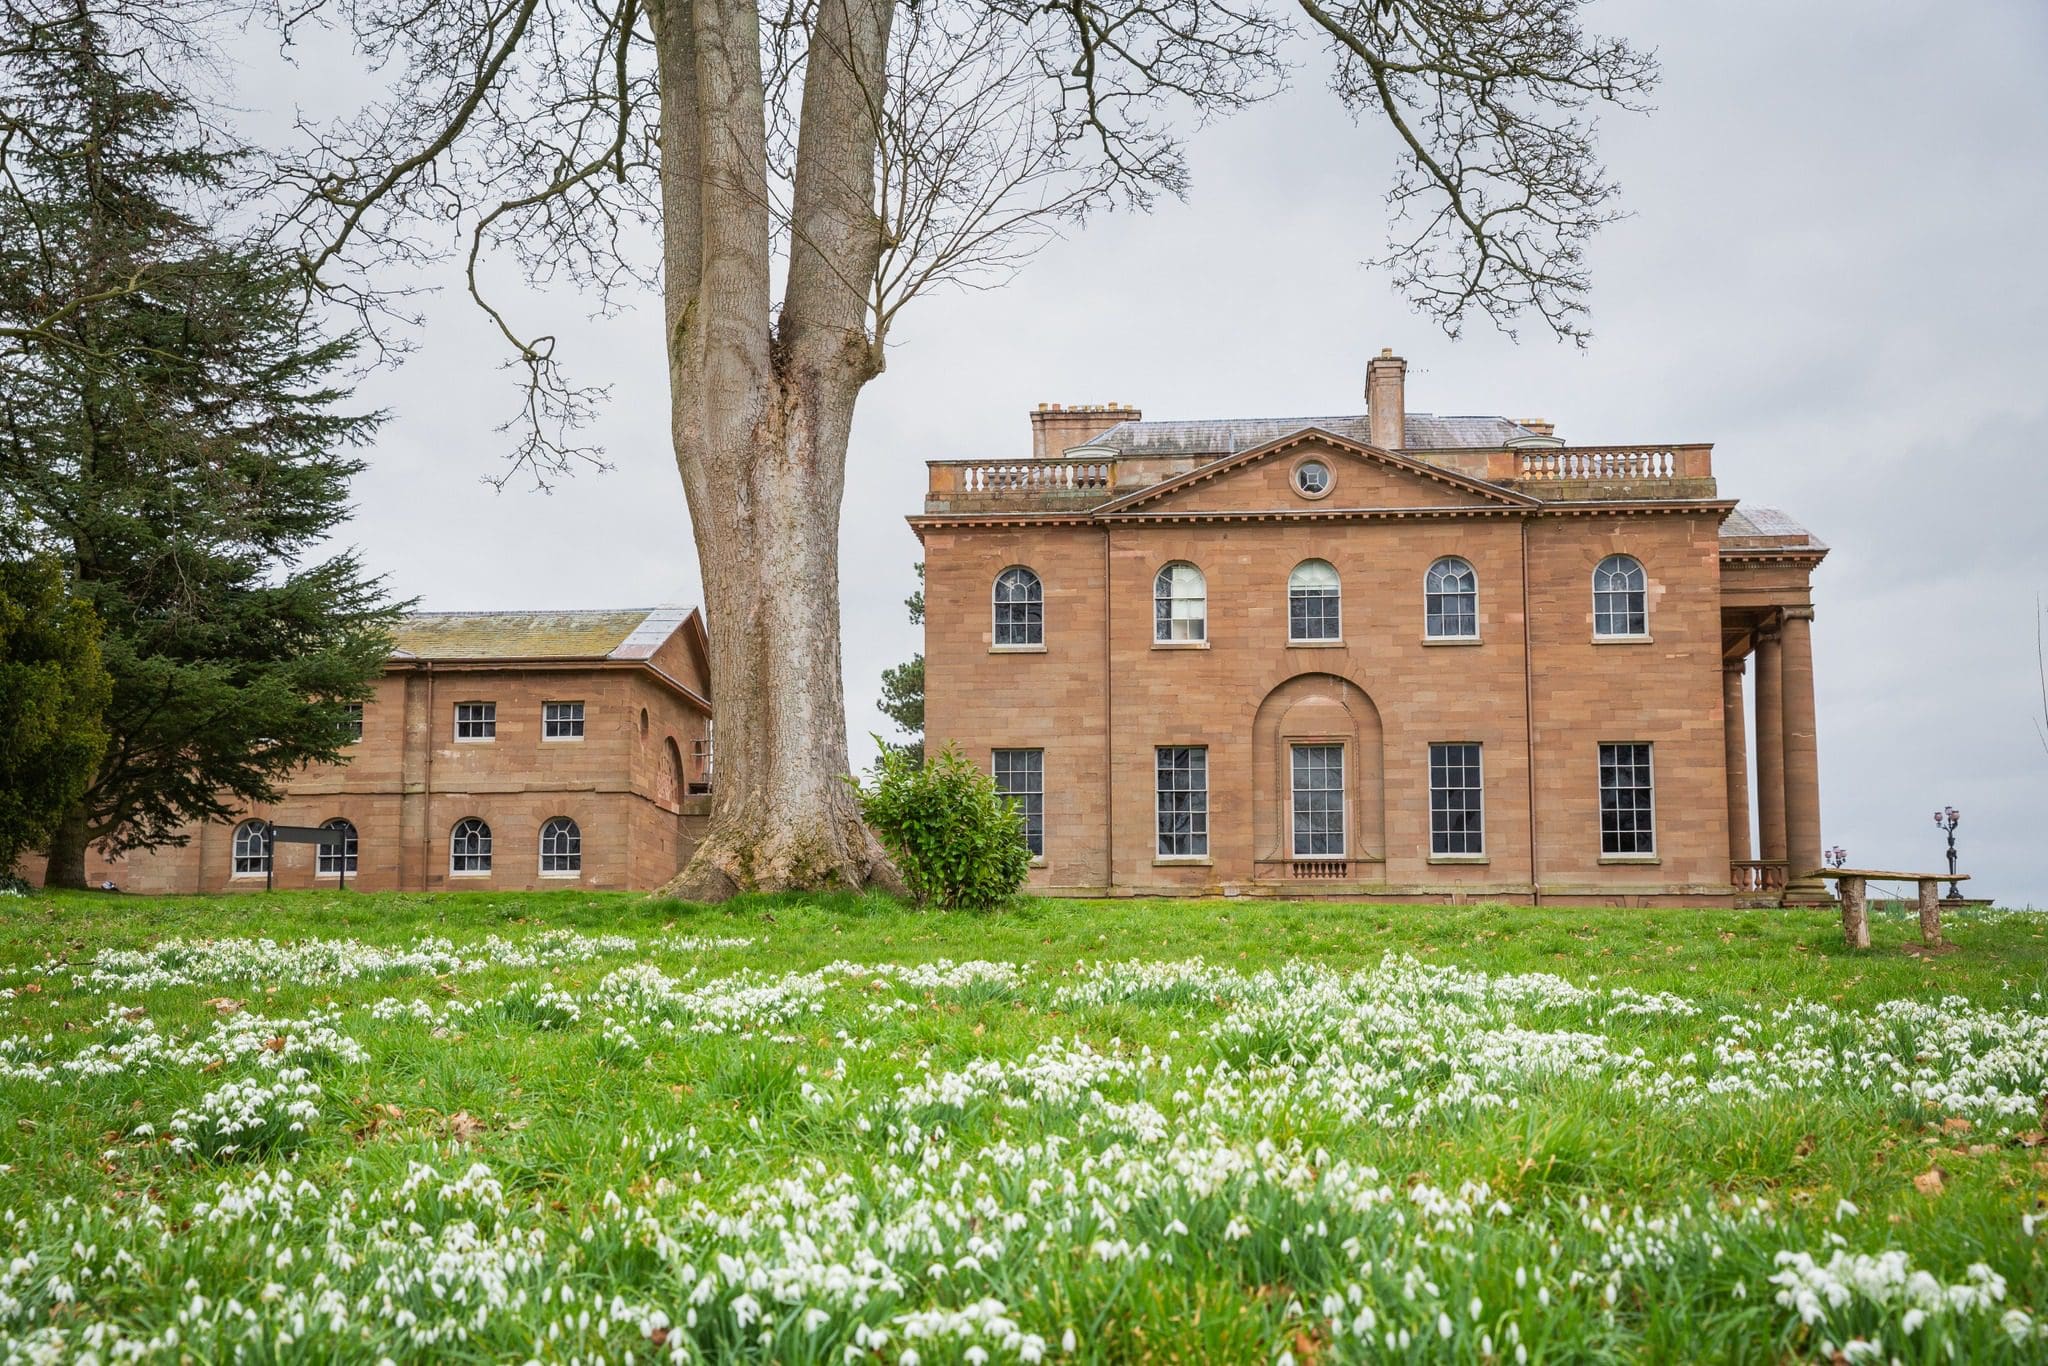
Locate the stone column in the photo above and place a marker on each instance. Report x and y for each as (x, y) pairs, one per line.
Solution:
(1802, 762)
(1770, 748)
(1736, 744)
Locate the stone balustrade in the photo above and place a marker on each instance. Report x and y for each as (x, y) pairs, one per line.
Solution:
(1554, 474)
(1602, 463)
(1758, 875)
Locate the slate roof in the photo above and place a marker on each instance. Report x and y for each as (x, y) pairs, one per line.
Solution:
(1757, 527)
(617, 633)
(1228, 435)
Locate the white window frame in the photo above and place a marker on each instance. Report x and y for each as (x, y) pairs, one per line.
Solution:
(996, 606)
(1642, 572)
(485, 854)
(1329, 477)
(1166, 592)
(1430, 619)
(549, 720)
(347, 858)
(574, 834)
(354, 724)
(1649, 749)
(262, 860)
(485, 716)
(1338, 637)
(1343, 801)
(1479, 767)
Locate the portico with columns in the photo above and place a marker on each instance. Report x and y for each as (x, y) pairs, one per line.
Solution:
(1767, 563)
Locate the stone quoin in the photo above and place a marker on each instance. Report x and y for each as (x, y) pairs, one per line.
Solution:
(1395, 655)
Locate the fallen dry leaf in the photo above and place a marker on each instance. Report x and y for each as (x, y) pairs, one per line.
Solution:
(275, 1043)
(1930, 1182)
(226, 1005)
(463, 1126)
(1955, 1124)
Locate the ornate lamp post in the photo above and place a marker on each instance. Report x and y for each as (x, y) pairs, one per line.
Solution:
(1946, 820)
(1837, 857)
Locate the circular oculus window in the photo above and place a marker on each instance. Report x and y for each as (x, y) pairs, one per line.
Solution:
(1312, 478)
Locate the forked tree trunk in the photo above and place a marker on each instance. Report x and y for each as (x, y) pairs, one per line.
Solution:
(782, 814)
(761, 407)
(66, 864)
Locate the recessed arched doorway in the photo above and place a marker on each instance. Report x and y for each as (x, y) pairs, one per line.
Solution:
(1318, 789)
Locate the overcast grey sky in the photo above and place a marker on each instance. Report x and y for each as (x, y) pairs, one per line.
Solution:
(1833, 273)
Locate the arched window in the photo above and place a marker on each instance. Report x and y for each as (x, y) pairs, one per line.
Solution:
(1020, 607)
(252, 849)
(1621, 598)
(343, 859)
(1312, 601)
(469, 847)
(1450, 594)
(1180, 604)
(561, 846)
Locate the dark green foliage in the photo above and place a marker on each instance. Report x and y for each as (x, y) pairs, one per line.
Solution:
(53, 688)
(170, 429)
(957, 842)
(903, 687)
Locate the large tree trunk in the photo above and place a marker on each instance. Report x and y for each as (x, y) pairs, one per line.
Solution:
(66, 865)
(760, 412)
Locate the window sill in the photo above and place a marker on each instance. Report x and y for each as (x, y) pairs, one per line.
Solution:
(1037, 861)
(331, 877)
(476, 739)
(1315, 644)
(1630, 858)
(1468, 859)
(247, 877)
(1016, 649)
(561, 739)
(472, 873)
(1452, 640)
(1183, 861)
(566, 877)
(1624, 640)
(1180, 644)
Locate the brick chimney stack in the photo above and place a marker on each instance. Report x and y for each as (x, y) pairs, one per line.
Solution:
(1385, 400)
(1056, 429)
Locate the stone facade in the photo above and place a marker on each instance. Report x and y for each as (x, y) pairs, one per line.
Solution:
(635, 782)
(1107, 500)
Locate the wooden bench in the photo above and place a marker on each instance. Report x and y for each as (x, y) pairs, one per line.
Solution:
(1855, 906)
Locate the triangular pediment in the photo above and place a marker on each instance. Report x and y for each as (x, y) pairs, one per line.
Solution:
(1364, 478)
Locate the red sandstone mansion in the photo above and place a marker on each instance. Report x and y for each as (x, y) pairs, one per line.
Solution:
(501, 751)
(1393, 655)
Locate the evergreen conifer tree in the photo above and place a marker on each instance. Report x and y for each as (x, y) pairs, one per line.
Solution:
(173, 429)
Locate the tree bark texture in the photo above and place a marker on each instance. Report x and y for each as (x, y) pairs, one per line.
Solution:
(1930, 912)
(66, 862)
(1855, 913)
(761, 408)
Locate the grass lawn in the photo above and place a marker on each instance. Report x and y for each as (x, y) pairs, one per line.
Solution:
(318, 1127)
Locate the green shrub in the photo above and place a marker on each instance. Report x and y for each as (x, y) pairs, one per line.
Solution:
(955, 840)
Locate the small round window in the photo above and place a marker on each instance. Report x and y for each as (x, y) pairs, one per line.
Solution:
(1312, 477)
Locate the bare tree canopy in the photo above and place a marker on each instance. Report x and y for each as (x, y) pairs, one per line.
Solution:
(867, 152)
